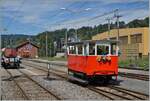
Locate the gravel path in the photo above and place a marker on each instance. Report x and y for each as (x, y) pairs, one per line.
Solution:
(57, 85)
(9, 90)
(32, 90)
(63, 88)
(127, 83)
(68, 90)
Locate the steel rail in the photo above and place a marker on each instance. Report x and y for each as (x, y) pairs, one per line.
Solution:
(98, 90)
(134, 76)
(24, 94)
(65, 77)
(107, 92)
(130, 92)
(56, 96)
(128, 75)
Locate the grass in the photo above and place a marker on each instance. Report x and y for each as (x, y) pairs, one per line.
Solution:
(141, 63)
(54, 58)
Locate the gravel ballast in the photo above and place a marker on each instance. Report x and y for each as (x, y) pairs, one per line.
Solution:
(68, 90)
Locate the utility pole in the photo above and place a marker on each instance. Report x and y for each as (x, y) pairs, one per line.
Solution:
(108, 19)
(117, 20)
(11, 41)
(66, 40)
(46, 44)
(96, 30)
(76, 35)
(55, 46)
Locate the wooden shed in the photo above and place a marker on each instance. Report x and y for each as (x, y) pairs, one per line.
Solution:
(27, 50)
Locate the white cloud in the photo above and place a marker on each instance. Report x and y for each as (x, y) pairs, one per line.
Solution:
(38, 12)
(121, 1)
(130, 15)
(30, 19)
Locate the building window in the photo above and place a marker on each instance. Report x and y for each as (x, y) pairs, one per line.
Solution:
(124, 39)
(114, 38)
(136, 38)
(140, 55)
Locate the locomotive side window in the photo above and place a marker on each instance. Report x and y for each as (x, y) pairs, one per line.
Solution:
(102, 49)
(91, 48)
(72, 50)
(80, 49)
(113, 49)
(85, 49)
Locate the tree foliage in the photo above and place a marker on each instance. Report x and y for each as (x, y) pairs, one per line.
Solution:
(139, 23)
(58, 36)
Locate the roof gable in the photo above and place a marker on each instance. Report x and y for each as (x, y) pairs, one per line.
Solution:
(23, 44)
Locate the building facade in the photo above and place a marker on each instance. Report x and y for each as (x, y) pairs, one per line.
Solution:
(27, 50)
(134, 42)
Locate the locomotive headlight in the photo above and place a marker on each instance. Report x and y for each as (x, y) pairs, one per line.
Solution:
(6, 60)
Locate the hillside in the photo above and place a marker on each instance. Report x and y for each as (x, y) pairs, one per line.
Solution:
(13, 40)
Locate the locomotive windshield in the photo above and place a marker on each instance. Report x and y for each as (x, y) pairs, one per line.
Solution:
(102, 50)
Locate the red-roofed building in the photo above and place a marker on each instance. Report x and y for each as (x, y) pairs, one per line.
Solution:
(27, 50)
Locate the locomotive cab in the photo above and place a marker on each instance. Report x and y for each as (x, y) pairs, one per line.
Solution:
(93, 59)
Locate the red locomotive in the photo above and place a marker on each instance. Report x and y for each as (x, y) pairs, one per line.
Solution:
(9, 58)
(92, 60)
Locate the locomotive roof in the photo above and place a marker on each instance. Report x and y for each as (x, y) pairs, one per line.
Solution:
(93, 41)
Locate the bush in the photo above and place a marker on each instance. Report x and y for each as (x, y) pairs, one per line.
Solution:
(140, 63)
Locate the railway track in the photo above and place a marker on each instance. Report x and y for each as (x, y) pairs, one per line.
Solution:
(122, 74)
(134, 76)
(31, 88)
(16, 83)
(111, 92)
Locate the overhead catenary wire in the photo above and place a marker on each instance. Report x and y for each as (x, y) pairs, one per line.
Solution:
(93, 18)
(46, 39)
(17, 14)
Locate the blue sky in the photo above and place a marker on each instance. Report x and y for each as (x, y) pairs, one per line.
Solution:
(34, 16)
